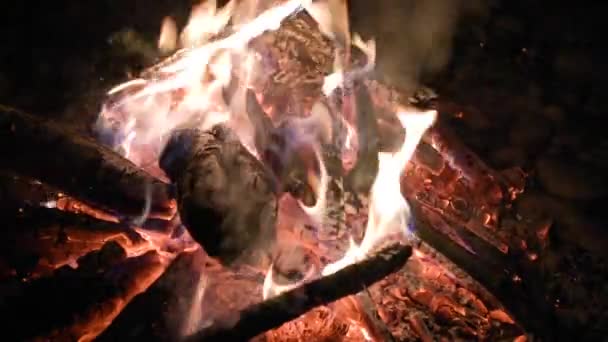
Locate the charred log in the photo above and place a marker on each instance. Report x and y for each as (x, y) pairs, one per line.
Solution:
(36, 240)
(225, 195)
(506, 277)
(276, 311)
(361, 177)
(17, 191)
(77, 304)
(156, 315)
(79, 166)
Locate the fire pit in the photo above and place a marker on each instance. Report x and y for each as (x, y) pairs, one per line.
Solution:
(263, 182)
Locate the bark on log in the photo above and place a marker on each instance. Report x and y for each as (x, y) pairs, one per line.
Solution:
(276, 311)
(79, 166)
(225, 195)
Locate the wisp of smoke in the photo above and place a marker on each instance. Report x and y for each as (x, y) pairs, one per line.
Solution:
(414, 36)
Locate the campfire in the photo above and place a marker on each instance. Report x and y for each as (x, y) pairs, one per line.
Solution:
(263, 182)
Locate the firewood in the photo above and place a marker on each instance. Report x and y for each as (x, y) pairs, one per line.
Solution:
(76, 304)
(278, 310)
(511, 279)
(361, 177)
(36, 240)
(226, 197)
(78, 165)
(156, 315)
(17, 191)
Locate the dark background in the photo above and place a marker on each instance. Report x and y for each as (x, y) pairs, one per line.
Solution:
(530, 73)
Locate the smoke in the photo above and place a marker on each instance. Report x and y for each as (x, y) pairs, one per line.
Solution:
(415, 37)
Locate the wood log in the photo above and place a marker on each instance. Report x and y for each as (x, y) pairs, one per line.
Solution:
(361, 177)
(512, 279)
(278, 310)
(36, 240)
(79, 166)
(156, 315)
(17, 191)
(76, 304)
(226, 197)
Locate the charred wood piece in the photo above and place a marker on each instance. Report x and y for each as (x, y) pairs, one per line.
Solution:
(225, 195)
(79, 166)
(36, 240)
(361, 177)
(287, 306)
(158, 314)
(77, 304)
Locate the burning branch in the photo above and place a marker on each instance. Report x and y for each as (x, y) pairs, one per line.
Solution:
(276, 311)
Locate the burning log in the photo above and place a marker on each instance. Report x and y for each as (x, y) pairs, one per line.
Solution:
(77, 304)
(276, 311)
(506, 277)
(361, 177)
(225, 195)
(156, 315)
(17, 191)
(52, 154)
(37, 240)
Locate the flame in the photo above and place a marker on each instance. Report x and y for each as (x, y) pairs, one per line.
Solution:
(317, 212)
(332, 17)
(339, 77)
(167, 40)
(195, 314)
(389, 212)
(187, 90)
(271, 289)
(206, 22)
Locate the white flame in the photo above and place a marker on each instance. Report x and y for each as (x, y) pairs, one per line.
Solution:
(339, 77)
(317, 212)
(271, 289)
(332, 18)
(194, 318)
(206, 22)
(187, 90)
(389, 212)
(167, 41)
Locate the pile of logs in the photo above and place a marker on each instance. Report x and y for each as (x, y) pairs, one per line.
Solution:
(91, 244)
(49, 231)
